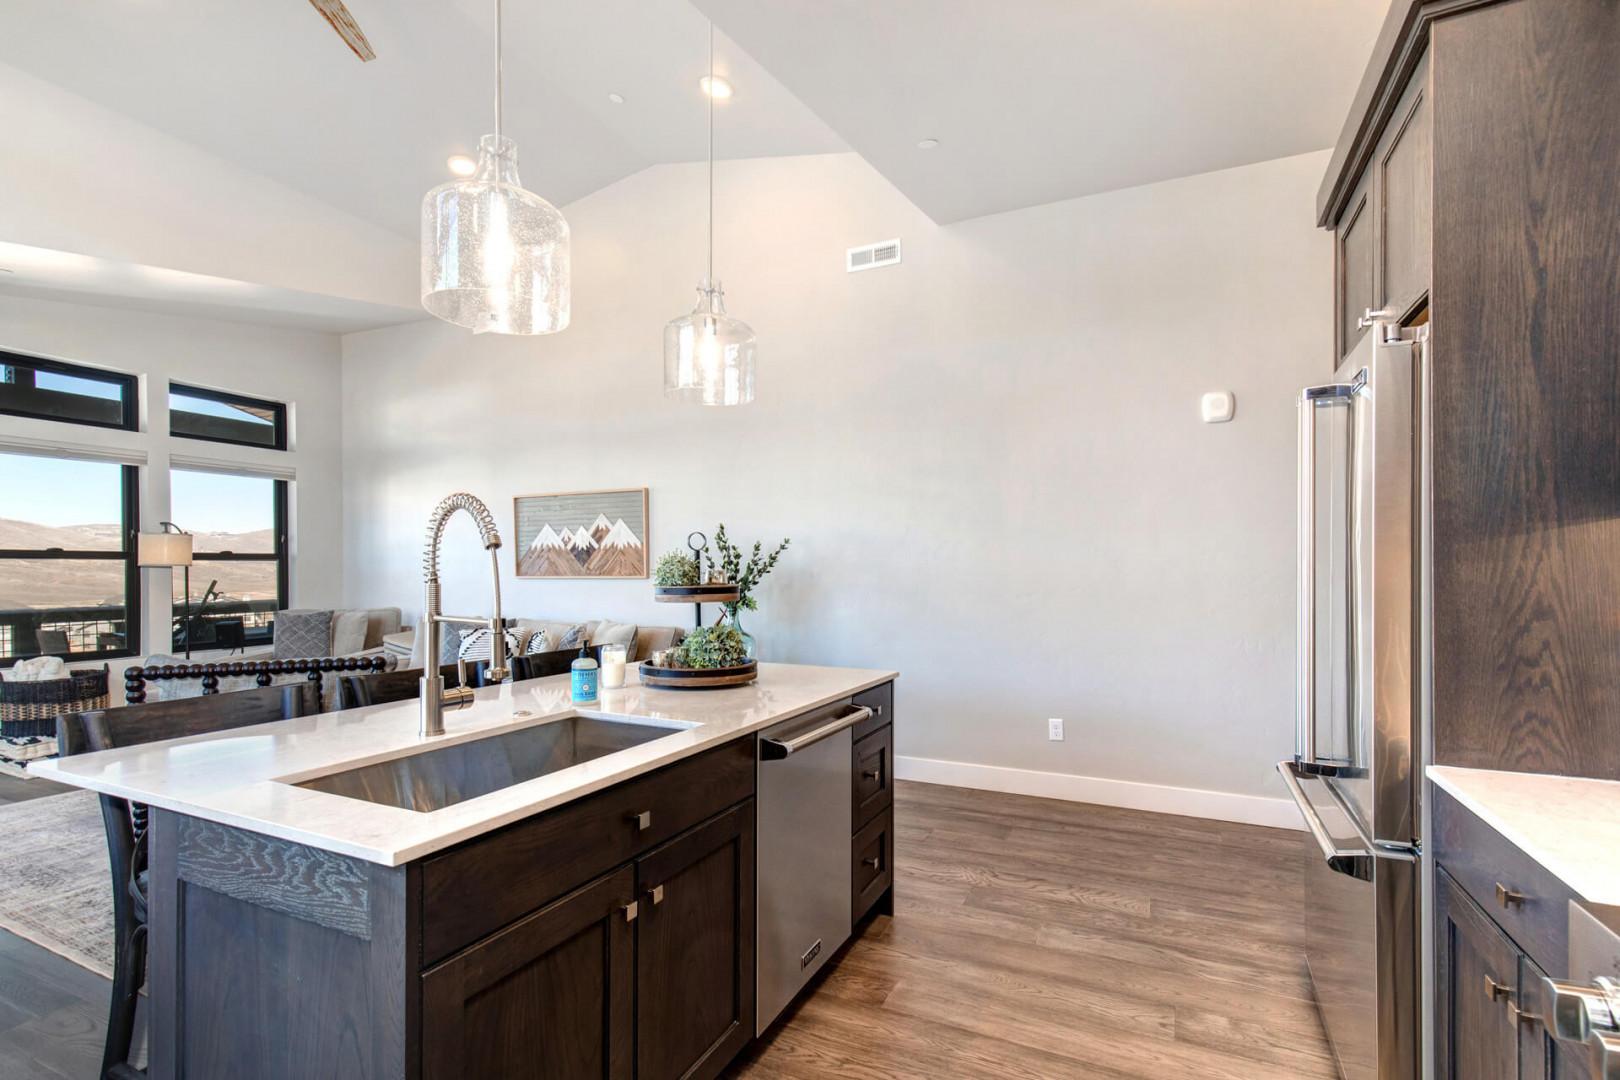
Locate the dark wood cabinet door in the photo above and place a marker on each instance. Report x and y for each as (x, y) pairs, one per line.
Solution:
(1406, 187)
(551, 996)
(1355, 265)
(1476, 976)
(695, 949)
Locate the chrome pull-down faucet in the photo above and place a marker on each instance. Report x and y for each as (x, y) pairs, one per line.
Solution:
(435, 697)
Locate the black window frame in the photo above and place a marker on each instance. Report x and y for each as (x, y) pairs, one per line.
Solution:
(131, 500)
(129, 398)
(277, 409)
(280, 556)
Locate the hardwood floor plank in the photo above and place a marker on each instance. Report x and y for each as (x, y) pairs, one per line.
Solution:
(1041, 938)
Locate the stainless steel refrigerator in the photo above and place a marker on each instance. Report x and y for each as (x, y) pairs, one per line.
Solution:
(1357, 771)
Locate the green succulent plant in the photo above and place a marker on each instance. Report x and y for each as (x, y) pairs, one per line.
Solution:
(713, 647)
(676, 568)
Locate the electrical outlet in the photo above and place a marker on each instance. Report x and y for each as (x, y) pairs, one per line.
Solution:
(1054, 730)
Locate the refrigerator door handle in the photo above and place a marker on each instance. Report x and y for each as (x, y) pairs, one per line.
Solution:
(1342, 860)
(1305, 637)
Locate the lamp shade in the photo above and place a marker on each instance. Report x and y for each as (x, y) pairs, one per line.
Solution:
(164, 549)
(494, 256)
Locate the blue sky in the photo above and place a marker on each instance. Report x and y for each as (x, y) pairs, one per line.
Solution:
(52, 491)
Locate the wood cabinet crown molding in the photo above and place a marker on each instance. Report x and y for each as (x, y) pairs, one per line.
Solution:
(1400, 46)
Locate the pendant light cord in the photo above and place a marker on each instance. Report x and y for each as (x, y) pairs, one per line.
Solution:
(710, 277)
(497, 74)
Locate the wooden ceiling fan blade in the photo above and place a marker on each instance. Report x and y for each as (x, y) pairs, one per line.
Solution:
(338, 15)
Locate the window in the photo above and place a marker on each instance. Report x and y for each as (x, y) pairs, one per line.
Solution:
(239, 556)
(69, 585)
(195, 413)
(52, 390)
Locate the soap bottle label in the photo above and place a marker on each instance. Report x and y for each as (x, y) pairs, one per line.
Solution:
(583, 683)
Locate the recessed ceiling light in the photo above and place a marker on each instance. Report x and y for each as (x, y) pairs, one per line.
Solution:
(462, 165)
(928, 144)
(715, 86)
(617, 99)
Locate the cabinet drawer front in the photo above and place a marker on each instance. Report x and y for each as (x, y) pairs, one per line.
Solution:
(873, 855)
(874, 776)
(880, 699)
(550, 996)
(481, 886)
(1525, 900)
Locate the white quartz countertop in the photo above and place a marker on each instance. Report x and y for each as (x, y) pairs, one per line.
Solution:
(245, 778)
(1570, 825)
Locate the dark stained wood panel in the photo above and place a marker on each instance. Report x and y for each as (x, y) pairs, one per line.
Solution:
(1355, 270)
(695, 949)
(322, 887)
(1406, 185)
(1526, 378)
(551, 997)
(1477, 971)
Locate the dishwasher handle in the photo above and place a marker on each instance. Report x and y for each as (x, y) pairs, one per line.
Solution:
(777, 749)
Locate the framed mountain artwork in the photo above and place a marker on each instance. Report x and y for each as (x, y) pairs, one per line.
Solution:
(583, 534)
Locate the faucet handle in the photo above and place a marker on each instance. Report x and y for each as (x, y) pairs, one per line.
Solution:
(461, 671)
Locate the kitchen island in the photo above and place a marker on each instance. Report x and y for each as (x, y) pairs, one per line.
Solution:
(541, 891)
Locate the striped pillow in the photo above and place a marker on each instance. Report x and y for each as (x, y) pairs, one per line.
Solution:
(539, 642)
(478, 644)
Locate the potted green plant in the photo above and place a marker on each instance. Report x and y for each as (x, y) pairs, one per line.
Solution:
(678, 579)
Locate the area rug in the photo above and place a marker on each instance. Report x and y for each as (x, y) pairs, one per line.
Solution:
(55, 889)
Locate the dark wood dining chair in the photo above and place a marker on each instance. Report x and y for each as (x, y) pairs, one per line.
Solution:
(125, 822)
(356, 691)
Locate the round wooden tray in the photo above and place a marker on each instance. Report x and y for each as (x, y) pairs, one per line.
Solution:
(699, 678)
(695, 594)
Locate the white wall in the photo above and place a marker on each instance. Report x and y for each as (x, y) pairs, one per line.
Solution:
(989, 458)
(296, 366)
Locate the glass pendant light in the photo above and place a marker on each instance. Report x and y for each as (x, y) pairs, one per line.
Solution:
(709, 356)
(494, 256)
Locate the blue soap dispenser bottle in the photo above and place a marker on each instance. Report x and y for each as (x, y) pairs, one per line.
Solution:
(582, 677)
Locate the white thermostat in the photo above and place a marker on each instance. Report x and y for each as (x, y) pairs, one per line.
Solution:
(1217, 407)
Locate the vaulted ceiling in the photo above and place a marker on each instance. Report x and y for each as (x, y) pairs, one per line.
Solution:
(1029, 101)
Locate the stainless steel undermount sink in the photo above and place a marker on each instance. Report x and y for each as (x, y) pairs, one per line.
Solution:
(435, 778)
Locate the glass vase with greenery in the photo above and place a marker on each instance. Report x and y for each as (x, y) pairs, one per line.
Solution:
(746, 574)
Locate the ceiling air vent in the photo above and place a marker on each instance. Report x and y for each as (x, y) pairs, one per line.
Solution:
(872, 256)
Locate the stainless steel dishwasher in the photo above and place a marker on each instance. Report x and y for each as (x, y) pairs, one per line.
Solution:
(803, 809)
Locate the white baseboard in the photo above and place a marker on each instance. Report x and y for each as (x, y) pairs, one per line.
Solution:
(1129, 794)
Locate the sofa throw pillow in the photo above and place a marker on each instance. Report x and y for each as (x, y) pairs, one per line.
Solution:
(574, 637)
(302, 634)
(479, 644)
(539, 642)
(612, 633)
(349, 632)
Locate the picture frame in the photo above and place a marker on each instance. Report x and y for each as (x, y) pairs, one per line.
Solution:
(581, 534)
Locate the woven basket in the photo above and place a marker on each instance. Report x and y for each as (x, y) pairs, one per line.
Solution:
(31, 708)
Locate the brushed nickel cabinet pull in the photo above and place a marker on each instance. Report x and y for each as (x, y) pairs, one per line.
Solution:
(631, 910)
(1521, 1016)
(1508, 897)
(872, 774)
(657, 894)
(643, 820)
(874, 862)
(1498, 991)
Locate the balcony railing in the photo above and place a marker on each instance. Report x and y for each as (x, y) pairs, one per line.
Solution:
(104, 631)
